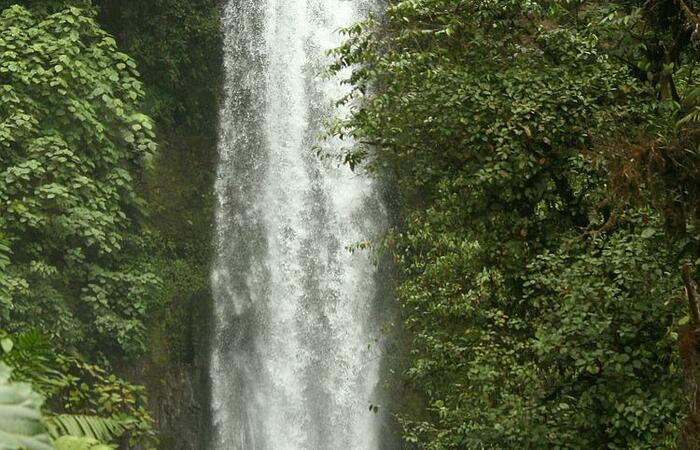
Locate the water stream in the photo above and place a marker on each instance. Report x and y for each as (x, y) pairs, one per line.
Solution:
(291, 364)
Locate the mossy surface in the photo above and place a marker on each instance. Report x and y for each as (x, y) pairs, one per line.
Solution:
(177, 45)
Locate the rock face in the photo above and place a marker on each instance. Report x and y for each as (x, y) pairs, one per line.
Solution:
(179, 406)
(177, 383)
(175, 370)
(177, 45)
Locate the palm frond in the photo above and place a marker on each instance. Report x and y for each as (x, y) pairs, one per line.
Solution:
(103, 429)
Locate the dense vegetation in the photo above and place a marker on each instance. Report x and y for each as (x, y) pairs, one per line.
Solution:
(67, 182)
(104, 232)
(547, 162)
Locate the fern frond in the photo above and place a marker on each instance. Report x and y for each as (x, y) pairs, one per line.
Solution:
(103, 429)
(33, 360)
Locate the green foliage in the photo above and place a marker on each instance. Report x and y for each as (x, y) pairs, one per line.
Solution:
(45, 6)
(73, 140)
(537, 284)
(79, 443)
(605, 340)
(93, 427)
(33, 360)
(23, 428)
(77, 161)
(177, 44)
(84, 400)
(20, 416)
(91, 391)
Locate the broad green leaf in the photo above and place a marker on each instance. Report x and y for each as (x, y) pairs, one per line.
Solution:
(6, 344)
(20, 416)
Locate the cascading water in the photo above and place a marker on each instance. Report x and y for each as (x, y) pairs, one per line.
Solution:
(291, 365)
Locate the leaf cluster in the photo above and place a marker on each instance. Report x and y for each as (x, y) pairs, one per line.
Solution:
(73, 145)
(542, 304)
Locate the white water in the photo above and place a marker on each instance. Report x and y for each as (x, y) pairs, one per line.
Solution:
(291, 366)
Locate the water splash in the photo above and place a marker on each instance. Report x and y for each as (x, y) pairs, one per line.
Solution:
(291, 368)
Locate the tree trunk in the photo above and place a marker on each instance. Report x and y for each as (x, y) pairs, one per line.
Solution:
(690, 436)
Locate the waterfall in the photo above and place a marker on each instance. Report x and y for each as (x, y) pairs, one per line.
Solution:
(292, 362)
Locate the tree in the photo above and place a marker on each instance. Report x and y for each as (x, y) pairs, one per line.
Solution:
(73, 145)
(541, 303)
